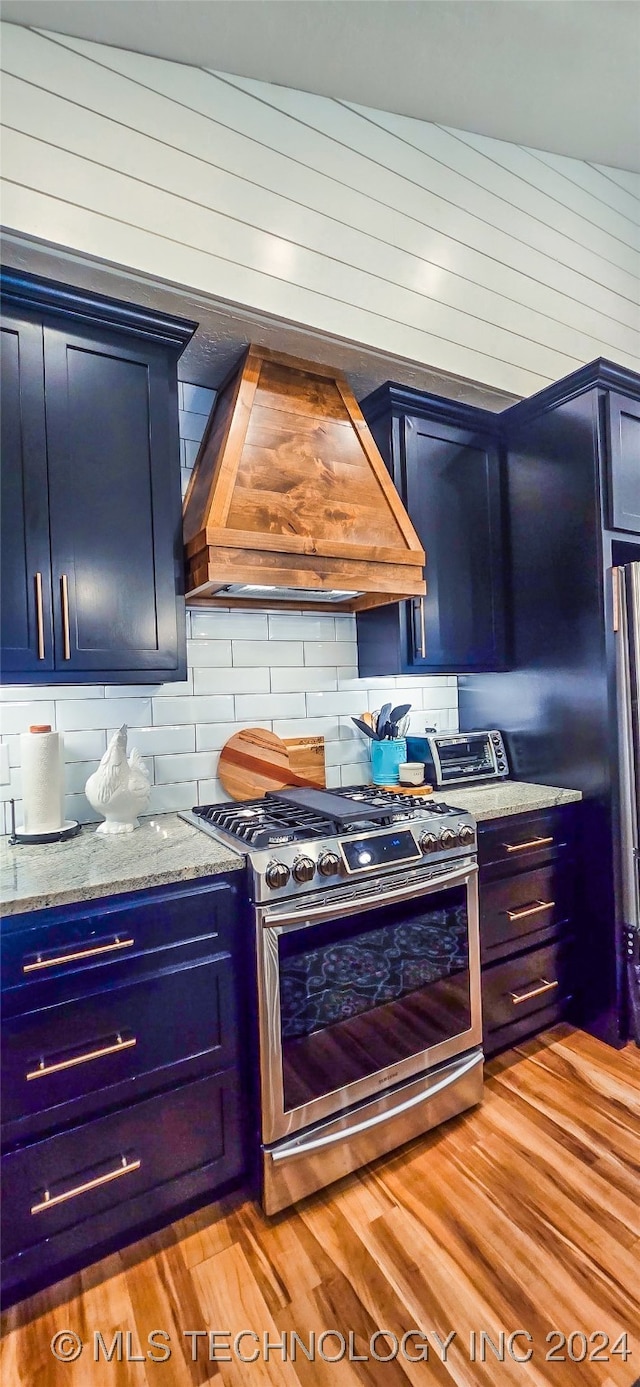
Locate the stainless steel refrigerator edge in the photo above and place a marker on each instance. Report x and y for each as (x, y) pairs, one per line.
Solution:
(627, 589)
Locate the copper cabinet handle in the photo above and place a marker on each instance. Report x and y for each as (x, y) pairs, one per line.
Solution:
(422, 647)
(49, 1201)
(44, 1068)
(529, 910)
(543, 986)
(39, 615)
(66, 637)
(42, 961)
(532, 843)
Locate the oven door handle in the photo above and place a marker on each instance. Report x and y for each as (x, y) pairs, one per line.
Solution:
(287, 1150)
(356, 904)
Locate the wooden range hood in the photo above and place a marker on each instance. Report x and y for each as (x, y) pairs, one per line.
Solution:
(290, 500)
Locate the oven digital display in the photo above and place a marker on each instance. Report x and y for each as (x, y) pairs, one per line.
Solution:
(363, 853)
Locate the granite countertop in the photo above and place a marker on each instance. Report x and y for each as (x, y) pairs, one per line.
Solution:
(166, 849)
(501, 798)
(163, 849)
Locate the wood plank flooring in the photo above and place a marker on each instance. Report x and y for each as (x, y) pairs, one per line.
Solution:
(522, 1215)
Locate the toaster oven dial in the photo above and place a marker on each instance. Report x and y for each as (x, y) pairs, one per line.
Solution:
(448, 838)
(303, 869)
(429, 842)
(466, 834)
(328, 864)
(277, 874)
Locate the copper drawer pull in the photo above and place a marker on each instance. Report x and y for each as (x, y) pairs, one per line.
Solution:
(529, 910)
(40, 962)
(532, 843)
(66, 638)
(39, 615)
(544, 986)
(49, 1201)
(55, 1068)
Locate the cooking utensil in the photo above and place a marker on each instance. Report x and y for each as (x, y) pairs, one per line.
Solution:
(364, 727)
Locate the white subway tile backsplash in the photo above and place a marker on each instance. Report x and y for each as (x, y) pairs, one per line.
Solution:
(290, 705)
(74, 715)
(198, 399)
(212, 736)
(169, 770)
(193, 710)
(346, 752)
(333, 778)
(355, 775)
(77, 807)
(168, 799)
(85, 746)
(297, 679)
(208, 654)
(302, 626)
(263, 654)
(17, 717)
(227, 625)
(345, 627)
(214, 681)
(11, 692)
(192, 426)
(76, 775)
(159, 741)
(211, 792)
(321, 705)
(330, 653)
(307, 727)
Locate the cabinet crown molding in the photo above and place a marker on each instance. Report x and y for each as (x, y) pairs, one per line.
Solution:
(25, 291)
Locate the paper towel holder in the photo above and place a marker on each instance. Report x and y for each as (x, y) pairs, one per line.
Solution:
(69, 830)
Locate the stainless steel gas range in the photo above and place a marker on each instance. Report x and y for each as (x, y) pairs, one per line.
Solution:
(365, 906)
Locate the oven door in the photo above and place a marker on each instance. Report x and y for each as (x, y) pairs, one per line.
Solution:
(360, 994)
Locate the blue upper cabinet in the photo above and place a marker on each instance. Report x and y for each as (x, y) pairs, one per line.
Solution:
(91, 510)
(445, 461)
(623, 419)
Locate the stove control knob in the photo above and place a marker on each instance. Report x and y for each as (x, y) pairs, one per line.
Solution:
(277, 874)
(303, 869)
(448, 838)
(466, 834)
(329, 864)
(428, 842)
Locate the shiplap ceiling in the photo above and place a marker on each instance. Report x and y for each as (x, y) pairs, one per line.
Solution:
(558, 75)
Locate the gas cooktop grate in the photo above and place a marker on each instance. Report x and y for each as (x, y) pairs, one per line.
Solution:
(262, 826)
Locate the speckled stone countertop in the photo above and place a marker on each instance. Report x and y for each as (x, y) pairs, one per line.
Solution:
(163, 849)
(498, 800)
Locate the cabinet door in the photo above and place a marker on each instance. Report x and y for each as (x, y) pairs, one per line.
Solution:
(452, 492)
(27, 636)
(624, 460)
(114, 500)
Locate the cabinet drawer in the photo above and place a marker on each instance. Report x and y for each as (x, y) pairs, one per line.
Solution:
(60, 954)
(86, 1047)
(519, 911)
(516, 990)
(521, 841)
(81, 1180)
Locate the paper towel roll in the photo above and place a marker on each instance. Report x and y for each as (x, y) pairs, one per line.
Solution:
(41, 756)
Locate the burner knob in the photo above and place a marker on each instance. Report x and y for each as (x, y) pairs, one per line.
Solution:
(466, 834)
(329, 864)
(303, 869)
(277, 874)
(448, 838)
(428, 842)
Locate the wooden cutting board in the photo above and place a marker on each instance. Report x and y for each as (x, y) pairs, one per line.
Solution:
(255, 761)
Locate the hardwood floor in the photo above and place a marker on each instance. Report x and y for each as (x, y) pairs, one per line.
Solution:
(522, 1215)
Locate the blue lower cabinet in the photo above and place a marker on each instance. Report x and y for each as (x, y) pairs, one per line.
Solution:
(125, 1090)
(71, 1197)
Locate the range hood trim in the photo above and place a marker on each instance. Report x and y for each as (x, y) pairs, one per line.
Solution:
(322, 419)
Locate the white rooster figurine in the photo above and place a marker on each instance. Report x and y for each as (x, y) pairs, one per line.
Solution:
(119, 788)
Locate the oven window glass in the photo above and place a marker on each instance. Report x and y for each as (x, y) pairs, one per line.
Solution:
(367, 991)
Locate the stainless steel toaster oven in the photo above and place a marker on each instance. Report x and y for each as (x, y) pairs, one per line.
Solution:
(458, 758)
